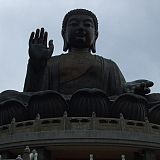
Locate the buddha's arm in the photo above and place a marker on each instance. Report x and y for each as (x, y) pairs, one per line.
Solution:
(39, 54)
(116, 80)
(119, 85)
(36, 73)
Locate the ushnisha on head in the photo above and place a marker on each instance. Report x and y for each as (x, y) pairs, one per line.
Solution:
(80, 30)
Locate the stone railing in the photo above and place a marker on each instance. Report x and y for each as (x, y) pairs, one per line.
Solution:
(79, 123)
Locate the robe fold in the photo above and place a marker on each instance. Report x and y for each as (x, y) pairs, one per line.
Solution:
(70, 72)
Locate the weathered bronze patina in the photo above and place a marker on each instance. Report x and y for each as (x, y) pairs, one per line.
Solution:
(78, 68)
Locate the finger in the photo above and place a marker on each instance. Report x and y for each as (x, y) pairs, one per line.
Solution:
(51, 46)
(41, 35)
(36, 36)
(139, 88)
(147, 90)
(146, 84)
(45, 39)
(37, 33)
(142, 91)
(142, 85)
(149, 84)
(31, 38)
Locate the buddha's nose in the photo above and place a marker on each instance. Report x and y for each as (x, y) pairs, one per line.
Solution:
(81, 27)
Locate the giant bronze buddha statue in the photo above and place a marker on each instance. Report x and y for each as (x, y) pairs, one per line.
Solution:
(78, 68)
(78, 81)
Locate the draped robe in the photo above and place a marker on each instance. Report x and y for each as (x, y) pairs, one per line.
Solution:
(67, 73)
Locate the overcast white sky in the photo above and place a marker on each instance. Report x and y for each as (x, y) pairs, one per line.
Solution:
(129, 34)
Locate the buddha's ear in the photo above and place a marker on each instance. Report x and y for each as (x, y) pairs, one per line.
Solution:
(93, 47)
(65, 45)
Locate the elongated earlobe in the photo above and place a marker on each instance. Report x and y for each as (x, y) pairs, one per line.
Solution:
(65, 45)
(93, 48)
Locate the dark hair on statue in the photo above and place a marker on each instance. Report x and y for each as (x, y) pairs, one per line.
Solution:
(79, 12)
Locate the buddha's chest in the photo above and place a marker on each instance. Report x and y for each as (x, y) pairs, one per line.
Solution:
(77, 67)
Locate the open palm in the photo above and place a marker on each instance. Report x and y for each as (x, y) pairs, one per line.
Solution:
(38, 48)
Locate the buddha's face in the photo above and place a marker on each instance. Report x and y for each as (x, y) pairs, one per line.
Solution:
(80, 32)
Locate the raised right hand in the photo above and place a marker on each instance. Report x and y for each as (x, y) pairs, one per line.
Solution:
(38, 49)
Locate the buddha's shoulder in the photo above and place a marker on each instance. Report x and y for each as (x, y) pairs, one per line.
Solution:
(104, 60)
(56, 59)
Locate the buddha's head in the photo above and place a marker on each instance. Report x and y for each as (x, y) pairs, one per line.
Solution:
(80, 30)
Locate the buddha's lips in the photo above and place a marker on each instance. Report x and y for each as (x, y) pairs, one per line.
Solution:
(80, 34)
(80, 37)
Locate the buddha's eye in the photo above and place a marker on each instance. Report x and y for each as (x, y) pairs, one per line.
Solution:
(88, 25)
(74, 24)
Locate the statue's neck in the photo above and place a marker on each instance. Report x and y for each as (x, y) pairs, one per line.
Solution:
(77, 50)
